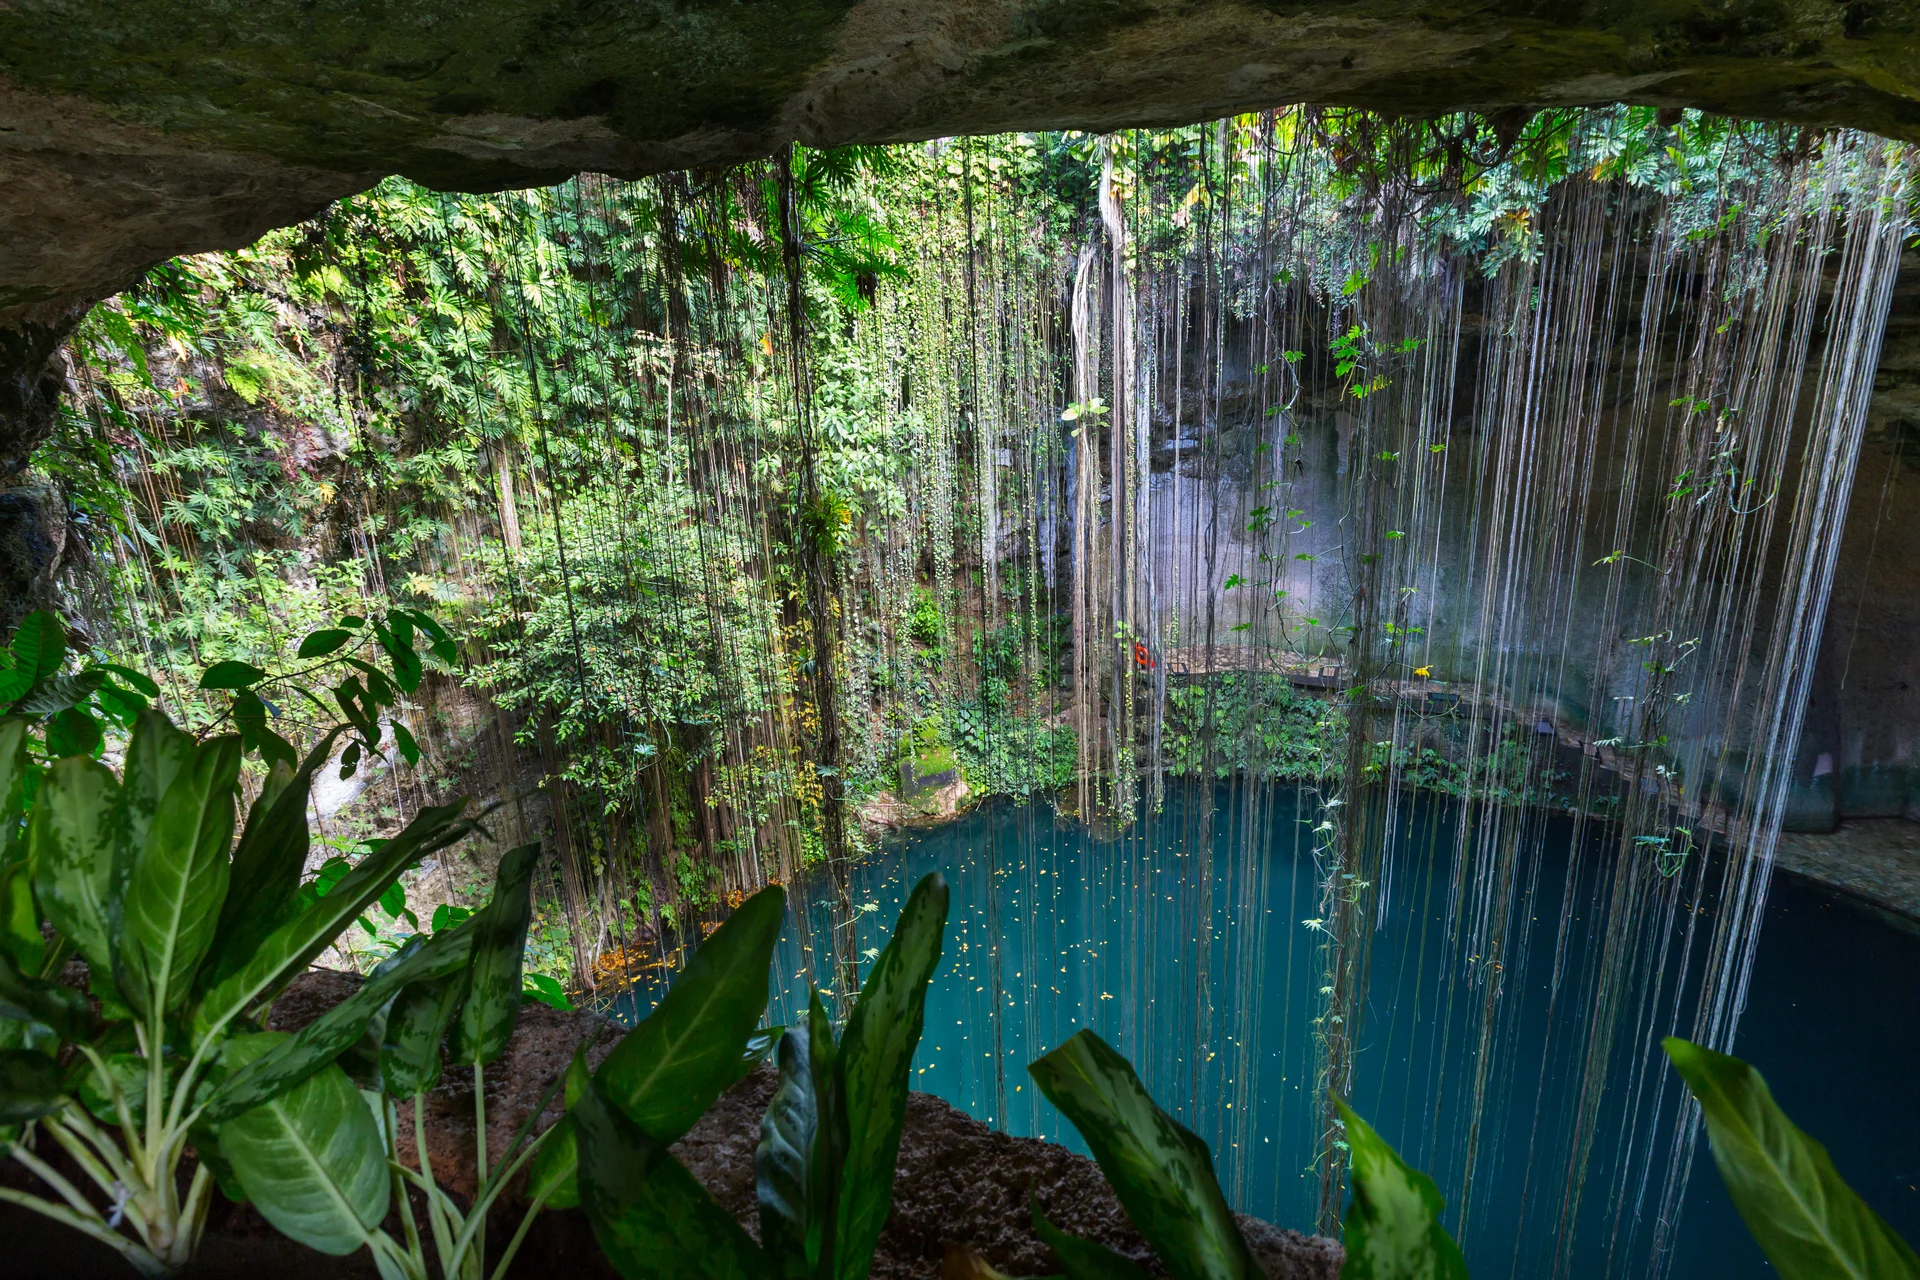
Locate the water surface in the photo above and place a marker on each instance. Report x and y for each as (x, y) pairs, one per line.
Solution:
(1209, 983)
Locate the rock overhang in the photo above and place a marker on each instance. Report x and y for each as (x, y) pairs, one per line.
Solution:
(132, 130)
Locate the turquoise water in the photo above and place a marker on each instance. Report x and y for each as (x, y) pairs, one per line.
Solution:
(1208, 982)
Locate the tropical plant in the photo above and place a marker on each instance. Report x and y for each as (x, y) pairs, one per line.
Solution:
(1163, 1174)
(365, 695)
(828, 1143)
(74, 712)
(700, 1038)
(187, 937)
(1809, 1223)
(67, 708)
(1392, 1229)
(1161, 1170)
(460, 986)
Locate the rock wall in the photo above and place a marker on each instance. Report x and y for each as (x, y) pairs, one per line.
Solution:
(1860, 751)
(137, 130)
(33, 524)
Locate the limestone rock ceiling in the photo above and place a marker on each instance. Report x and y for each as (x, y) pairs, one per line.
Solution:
(133, 130)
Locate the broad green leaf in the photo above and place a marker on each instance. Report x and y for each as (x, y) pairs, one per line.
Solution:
(26, 998)
(379, 689)
(1161, 1171)
(20, 937)
(267, 863)
(876, 1056)
(760, 1044)
(551, 1180)
(249, 716)
(398, 642)
(40, 645)
(29, 1085)
(292, 946)
(416, 1026)
(13, 785)
(126, 1071)
(400, 623)
(406, 669)
(323, 642)
(403, 739)
(360, 714)
(491, 1003)
(72, 845)
(442, 643)
(798, 1163)
(206, 1145)
(651, 1217)
(74, 732)
(179, 880)
(120, 705)
(443, 957)
(59, 693)
(547, 991)
(275, 749)
(1392, 1228)
(1083, 1259)
(135, 680)
(157, 755)
(1808, 1221)
(310, 1160)
(231, 675)
(667, 1071)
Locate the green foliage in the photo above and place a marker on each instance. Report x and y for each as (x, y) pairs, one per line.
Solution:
(491, 999)
(1257, 724)
(1161, 1171)
(1261, 725)
(1811, 1224)
(71, 710)
(309, 1159)
(649, 1214)
(875, 1061)
(667, 1071)
(924, 623)
(457, 994)
(1392, 1229)
(1084, 1259)
(828, 1143)
(803, 1142)
(134, 872)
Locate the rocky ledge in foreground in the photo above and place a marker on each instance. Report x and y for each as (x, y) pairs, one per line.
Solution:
(958, 1181)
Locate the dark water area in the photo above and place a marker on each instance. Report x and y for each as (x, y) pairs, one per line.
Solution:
(1186, 942)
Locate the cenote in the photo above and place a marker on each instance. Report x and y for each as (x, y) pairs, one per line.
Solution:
(1351, 605)
(1182, 964)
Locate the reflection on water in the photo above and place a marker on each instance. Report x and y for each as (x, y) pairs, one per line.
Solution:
(1208, 982)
